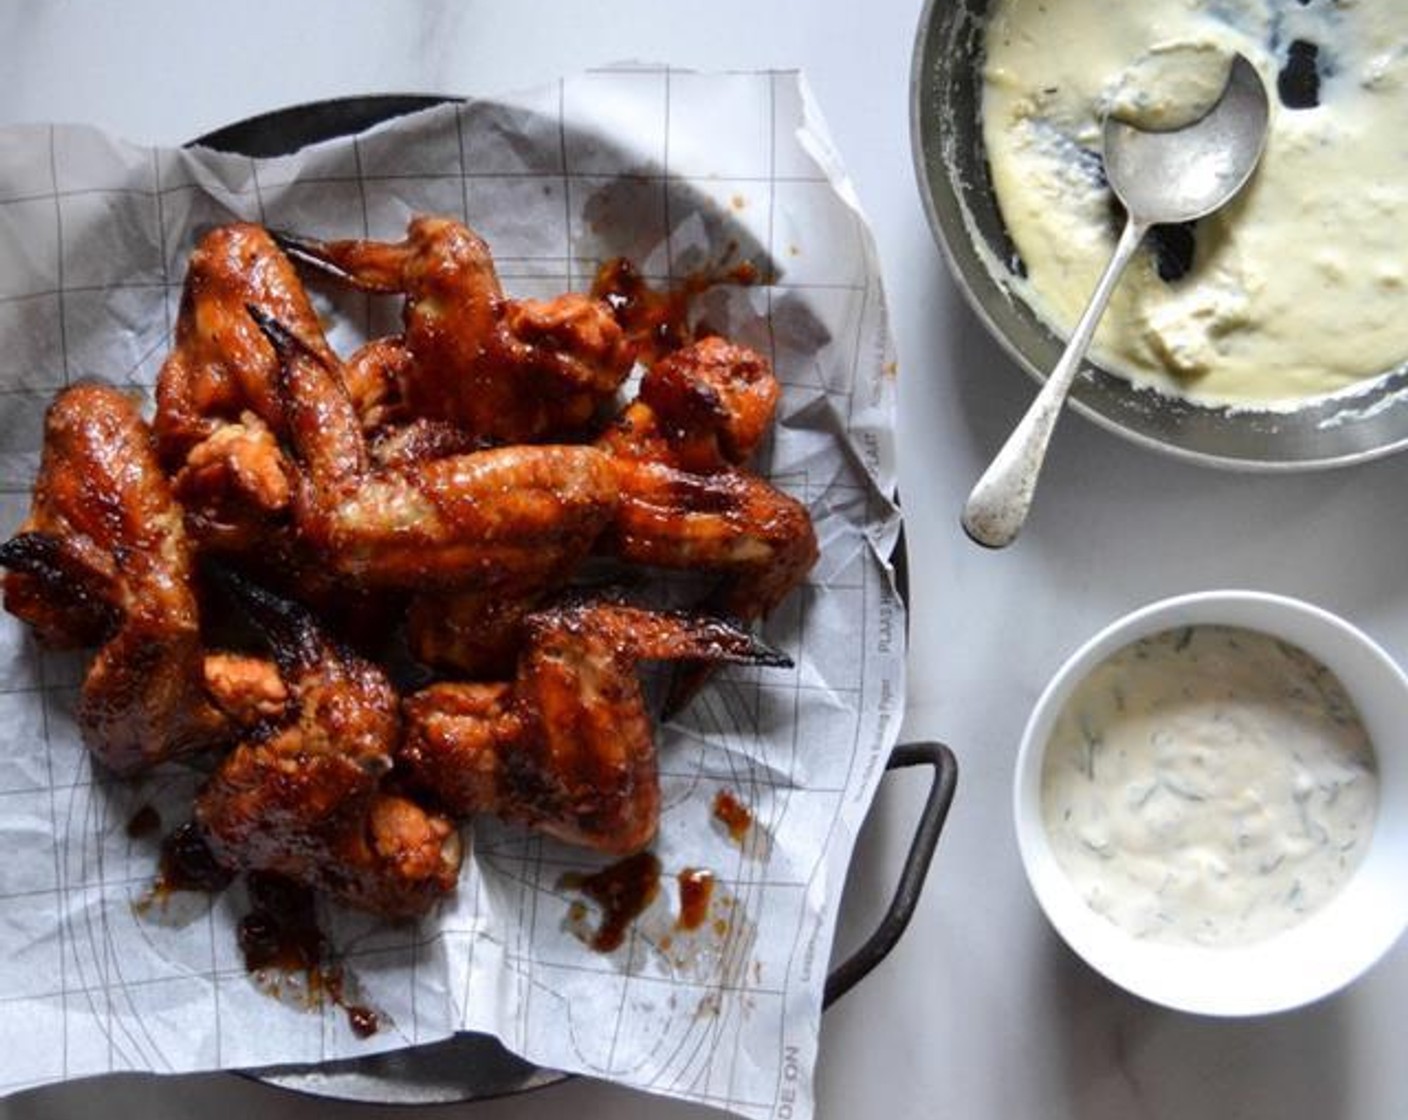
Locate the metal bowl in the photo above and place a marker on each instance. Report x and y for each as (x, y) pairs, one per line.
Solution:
(951, 165)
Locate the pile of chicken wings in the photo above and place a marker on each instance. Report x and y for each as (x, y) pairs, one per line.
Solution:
(253, 563)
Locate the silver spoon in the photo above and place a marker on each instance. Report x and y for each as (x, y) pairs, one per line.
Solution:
(1160, 177)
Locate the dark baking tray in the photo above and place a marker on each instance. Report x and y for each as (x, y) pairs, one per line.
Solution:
(475, 1066)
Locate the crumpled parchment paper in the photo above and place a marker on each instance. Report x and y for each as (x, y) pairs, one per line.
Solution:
(679, 172)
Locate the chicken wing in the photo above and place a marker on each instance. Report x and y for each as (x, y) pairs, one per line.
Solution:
(686, 500)
(507, 514)
(686, 503)
(567, 747)
(703, 408)
(303, 794)
(221, 365)
(508, 370)
(103, 558)
(219, 421)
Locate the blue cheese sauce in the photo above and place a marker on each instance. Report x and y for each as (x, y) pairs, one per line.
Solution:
(1209, 785)
(1296, 289)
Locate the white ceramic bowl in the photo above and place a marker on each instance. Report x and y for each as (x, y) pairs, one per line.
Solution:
(1332, 946)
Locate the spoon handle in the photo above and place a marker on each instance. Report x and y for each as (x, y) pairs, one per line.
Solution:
(997, 508)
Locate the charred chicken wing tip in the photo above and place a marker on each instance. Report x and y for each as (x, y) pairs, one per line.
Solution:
(295, 638)
(308, 251)
(55, 564)
(283, 340)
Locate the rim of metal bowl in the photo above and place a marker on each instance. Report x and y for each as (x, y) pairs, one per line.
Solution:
(1366, 422)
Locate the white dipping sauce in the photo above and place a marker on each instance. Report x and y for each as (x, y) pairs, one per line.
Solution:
(1297, 289)
(1209, 785)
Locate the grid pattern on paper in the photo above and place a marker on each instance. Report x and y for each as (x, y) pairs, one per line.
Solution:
(93, 237)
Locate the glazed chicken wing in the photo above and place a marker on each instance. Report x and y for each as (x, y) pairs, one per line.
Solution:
(703, 408)
(502, 515)
(220, 419)
(462, 466)
(221, 365)
(686, 500)
(303, 795)
(508, 370)
(103, 558)
(568, 746)
(686, 503)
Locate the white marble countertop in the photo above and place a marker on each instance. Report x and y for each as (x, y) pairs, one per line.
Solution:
(981, 1012)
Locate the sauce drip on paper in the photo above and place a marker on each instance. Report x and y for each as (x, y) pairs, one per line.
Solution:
(187, 864)
(622, 891)
(281, 941)
(733, 815)
(696, 890)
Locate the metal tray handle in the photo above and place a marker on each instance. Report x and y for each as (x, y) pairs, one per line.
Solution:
(905, 900)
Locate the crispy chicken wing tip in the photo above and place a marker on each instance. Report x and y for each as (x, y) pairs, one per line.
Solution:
(283, 340)
(742, 646)
(41, 555)
(309, 252)
(723, 639)
(61, 576)
(295, 638)
(769, 656)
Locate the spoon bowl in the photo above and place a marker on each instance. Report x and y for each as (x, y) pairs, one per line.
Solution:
(1160, 177)
(1179, 175)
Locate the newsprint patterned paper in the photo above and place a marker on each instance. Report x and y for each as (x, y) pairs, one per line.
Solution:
(682, 173)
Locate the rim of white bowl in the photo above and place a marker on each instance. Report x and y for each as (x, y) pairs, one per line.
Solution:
(1330, 948)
